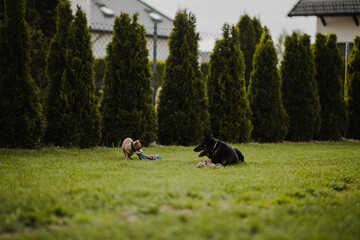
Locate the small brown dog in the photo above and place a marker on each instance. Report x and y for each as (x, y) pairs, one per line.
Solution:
(130, 147)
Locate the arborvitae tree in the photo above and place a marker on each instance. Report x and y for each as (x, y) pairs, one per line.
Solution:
(249, 35)
(329, 72)
(258, 29)
(299, 88)
(269, 117)
(352, 89)
(182, 111)
(21, 120)
(127, 107)
(40, 16)
(228, 103)
(81, 117)
(54, 104)
(2, 11)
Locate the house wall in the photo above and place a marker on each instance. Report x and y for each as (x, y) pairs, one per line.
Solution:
(344, 27)
(85, 6)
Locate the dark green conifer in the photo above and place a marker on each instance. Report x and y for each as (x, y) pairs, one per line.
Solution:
(258, 29)
(81, 117)
(228, 103)
(250, 31)
(54, 104)
(329, 72)
(352, 90)
(21, 120)
(299, 88)
(269, 117)
(127, 107)
(40, 16)
(2, 11)
(182, 111)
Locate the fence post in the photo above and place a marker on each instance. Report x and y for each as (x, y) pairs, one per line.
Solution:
(154, 63)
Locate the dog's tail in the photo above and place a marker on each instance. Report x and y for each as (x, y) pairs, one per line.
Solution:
(240, 156)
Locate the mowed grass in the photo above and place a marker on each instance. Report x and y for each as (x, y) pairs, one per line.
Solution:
(282, 191)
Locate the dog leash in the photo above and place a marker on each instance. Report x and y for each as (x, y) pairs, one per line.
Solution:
(213, 152)
(214, 147)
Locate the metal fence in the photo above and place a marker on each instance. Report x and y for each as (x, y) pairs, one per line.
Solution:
(102, 34)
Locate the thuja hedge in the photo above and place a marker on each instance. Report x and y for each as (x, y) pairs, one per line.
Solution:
(126, 106)
(183, 107)
(81, 117)
(269, 117)
(299, 88)
(329, 76)
(21, 121)
(182, 110)
(250, 31)
(352, 90)
(228, 103)
(54, 105)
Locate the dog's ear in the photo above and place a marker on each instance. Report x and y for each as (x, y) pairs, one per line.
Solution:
(208, 134)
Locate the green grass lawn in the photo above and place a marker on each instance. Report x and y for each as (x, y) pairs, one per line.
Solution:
(282, 191)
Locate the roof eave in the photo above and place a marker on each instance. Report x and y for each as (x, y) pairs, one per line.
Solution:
(324, 14)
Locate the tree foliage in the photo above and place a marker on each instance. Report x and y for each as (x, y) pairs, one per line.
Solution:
(269, 117)
(299, 88)
(127, 101)
(182, 111)
(21, 120)
(54, 104)
(352, 89)
(2, 11)
(41, 17)
(228, 103)
(81, 117)
(329, 73)
(250, 31)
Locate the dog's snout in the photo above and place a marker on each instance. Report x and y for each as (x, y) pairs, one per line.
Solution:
(197, 149)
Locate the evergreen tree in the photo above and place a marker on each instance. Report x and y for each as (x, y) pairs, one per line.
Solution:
(54, 105)
(81, 117)
(182, 111)
(127, 107)
(228, 103)
(40, 16)
(329, 72)
(21, 119)
(258, 29)
(2, 11)
(250, 31)
(299, 88)
(269, 117)
(352, 87)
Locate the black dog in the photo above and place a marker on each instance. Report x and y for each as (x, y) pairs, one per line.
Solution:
(218, 151)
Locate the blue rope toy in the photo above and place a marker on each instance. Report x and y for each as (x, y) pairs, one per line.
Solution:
(149, 157)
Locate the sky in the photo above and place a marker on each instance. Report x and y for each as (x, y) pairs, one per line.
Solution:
(212, 14)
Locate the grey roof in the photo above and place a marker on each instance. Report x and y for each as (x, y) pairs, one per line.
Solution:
(100, 21)
(326, 8)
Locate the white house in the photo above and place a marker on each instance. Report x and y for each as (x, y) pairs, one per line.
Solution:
(333, 16)
(101, 16)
